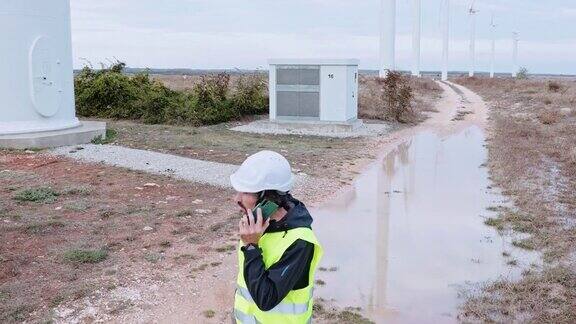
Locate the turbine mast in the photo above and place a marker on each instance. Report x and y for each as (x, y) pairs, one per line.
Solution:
(515, 39)
(446, 39)
(416, 31)
(493, 50)
(387, 37)
(472, 12)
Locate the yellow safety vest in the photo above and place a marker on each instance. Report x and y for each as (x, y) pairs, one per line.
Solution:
(296, 307)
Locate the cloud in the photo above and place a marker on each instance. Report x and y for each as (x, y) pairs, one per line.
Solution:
(244, 34)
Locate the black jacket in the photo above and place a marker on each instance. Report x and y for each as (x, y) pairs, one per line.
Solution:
(269, 287)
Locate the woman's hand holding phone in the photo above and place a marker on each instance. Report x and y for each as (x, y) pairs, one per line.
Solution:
(250, 231)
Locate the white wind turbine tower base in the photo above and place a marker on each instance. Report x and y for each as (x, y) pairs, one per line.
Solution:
(387, 37)
(472, 12)
(446, 38)
(515, 39)
(416, 31)
(493, 47)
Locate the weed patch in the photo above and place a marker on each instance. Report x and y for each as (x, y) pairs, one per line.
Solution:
(526, 244)
(77, 191)
(43, 195)
(229, 247)
(78, 206)
(111, 135)
(85, 256)
(40, 228)
(153, 257)
(495, 222)
(209, 313)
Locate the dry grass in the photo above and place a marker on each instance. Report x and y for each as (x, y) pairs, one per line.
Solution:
(532, 157)
(425, 92)
(549, 117)
(544, 297)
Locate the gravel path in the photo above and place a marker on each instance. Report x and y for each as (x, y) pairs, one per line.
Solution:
(211, 173)
(266, 127)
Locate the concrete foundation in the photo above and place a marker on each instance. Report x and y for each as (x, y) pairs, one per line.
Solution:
(354, 128)
(317, 125)
(82, 134)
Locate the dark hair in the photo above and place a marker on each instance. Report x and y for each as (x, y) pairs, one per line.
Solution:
(282, 199)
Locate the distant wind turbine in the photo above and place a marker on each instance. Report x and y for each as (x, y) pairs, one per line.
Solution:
(515, 39)
(446, 38)
(387, 37)
(472, 12)
(493, 50)
(416, 30)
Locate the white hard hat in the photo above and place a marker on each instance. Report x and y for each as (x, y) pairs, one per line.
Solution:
(265, 170)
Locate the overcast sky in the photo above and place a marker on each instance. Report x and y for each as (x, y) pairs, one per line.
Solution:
(245, 33)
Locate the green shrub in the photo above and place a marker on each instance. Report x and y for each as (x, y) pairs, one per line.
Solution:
(111, 135)
(396, 97)
(108, 93)
(85, 256)
(105, 93)
(44, 195)
(250, 97)
(212, 104)
(522, 74)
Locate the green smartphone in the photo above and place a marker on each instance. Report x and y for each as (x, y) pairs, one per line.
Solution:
(268, 209)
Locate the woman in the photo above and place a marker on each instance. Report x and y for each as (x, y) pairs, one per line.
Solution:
(278, 253)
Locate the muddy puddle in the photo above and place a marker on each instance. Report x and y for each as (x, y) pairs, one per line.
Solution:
(410, 234)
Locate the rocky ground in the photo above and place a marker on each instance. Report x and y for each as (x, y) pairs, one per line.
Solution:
(72, 232)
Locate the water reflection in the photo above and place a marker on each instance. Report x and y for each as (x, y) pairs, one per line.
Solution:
(411, 231)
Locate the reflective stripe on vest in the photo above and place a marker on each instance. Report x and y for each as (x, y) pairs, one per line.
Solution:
(245, 318)
(283, 308)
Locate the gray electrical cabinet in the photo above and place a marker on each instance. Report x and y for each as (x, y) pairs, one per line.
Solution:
(308, 90)
(298, 91)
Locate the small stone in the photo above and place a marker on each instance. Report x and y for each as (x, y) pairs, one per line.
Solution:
(197, 201)
(58, 208)
(565, 111)
(148, 228)
(203, 211)
(151, 184)
(139, 188)
(29, 152)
